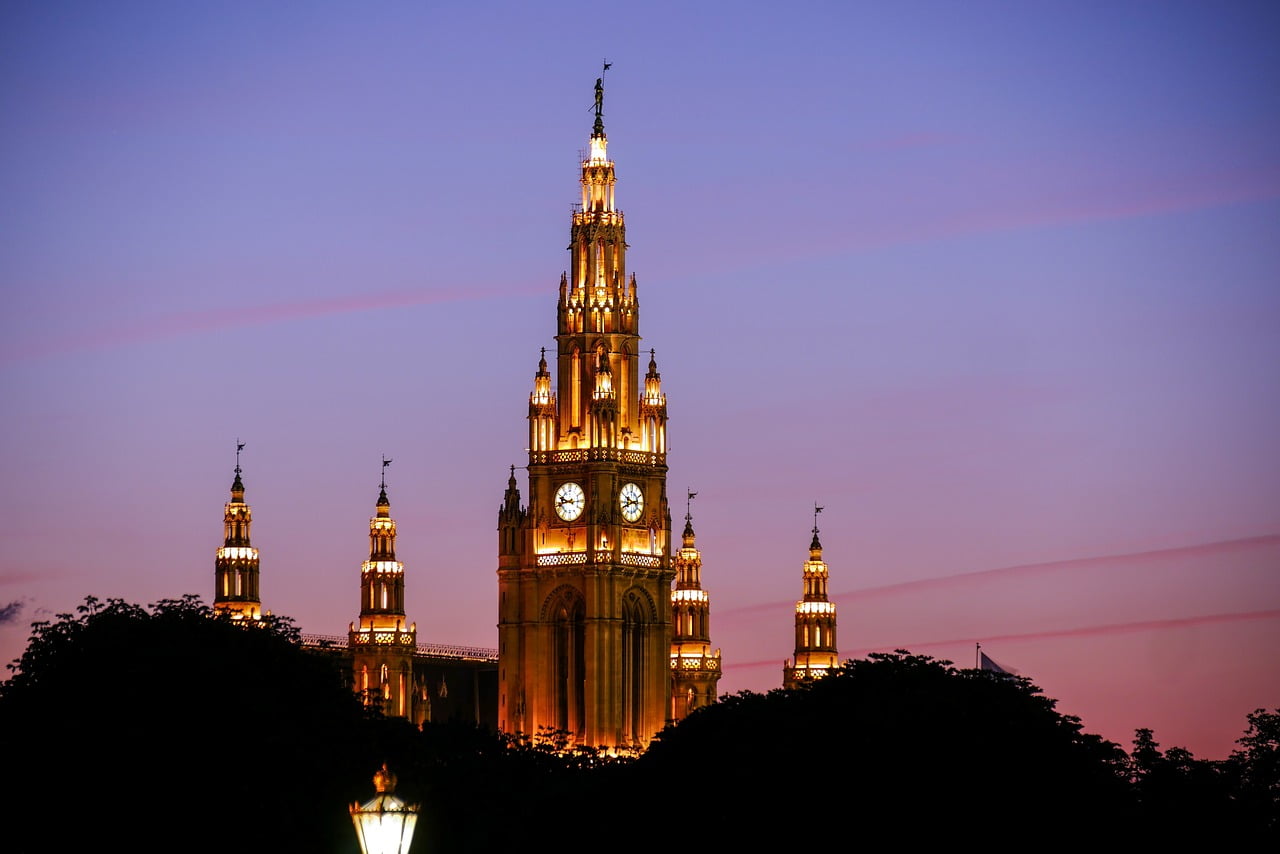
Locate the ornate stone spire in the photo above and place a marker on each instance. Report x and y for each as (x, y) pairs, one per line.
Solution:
(382, 575)
(695, 669)
(815, 652)
(383, 642)
(816, 620)
(236, 564)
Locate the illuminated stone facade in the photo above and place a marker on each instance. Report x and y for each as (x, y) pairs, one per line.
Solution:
(584, 571)
(815, 623)
(382, 644)
(695, 669)
(593, 640)
(235, 583)
(379, 657)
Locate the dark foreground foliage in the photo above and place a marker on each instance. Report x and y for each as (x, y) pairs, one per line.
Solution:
(920, 749)
(170, 728)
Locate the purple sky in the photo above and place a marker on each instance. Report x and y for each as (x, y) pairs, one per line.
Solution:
(997, 284)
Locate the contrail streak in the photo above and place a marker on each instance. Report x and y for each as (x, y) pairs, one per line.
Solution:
(193, 322)
(1102, 629)
(1078, 631)
(1210, 549)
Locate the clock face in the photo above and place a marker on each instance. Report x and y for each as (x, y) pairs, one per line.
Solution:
(632, 501)
(569, 501)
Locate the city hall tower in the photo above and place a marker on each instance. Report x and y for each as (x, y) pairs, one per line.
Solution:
(584, 571)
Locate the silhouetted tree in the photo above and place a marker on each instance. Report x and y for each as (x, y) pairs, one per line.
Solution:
(907, 744)
(174, 728)
(1255, 772)
(1180, 798)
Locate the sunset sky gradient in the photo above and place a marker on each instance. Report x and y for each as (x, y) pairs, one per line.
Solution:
(997, 284)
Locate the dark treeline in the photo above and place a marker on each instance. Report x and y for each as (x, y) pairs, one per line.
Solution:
(170, 728)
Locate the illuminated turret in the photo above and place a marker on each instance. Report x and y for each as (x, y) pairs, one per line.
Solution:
(815, 621)
(695, 670)
(653, 410)
(236, 565)
(510, 517)
(604, 406)
(542, 409)
(381, 645)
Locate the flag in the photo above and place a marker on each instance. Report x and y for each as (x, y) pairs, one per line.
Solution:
(987, 663)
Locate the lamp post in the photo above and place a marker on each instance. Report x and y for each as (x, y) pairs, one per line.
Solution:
(384, 824)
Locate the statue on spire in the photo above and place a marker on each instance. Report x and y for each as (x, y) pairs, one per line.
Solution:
(598, 128)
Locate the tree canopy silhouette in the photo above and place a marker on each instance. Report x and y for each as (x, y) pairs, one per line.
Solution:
(174, 727)
(908, 742)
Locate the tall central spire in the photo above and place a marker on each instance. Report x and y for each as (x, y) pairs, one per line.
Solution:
(584, 573)
(598, 323)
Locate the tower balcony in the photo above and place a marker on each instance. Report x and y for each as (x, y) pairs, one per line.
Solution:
(393, 567)
(600, 557)
(597, 217)
(584, 455)
(383, 637)
(697, 662)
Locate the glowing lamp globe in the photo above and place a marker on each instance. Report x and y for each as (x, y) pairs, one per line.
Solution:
(384, 824)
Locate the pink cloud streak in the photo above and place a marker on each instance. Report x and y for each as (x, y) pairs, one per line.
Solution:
(189, 323)
(1210, 549)
(1077, 631)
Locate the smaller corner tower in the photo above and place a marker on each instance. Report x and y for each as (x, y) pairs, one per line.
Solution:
(382, 644)
(236, 565)
(815, 621)
(695, 669)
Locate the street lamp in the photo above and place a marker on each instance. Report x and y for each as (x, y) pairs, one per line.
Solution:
(384, 824)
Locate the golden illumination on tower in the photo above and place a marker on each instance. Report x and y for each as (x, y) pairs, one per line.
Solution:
(815, 621)
(236, 563)
(382, 643)
(695, 669)
(584, 572)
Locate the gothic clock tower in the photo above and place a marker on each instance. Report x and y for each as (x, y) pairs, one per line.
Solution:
(584, 572)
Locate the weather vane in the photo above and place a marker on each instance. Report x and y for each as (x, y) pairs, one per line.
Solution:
(239, 448)
(385, 462)
(816, 510)
(688, 504)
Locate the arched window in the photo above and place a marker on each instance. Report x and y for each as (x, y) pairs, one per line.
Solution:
(637, 623)
(565, 612)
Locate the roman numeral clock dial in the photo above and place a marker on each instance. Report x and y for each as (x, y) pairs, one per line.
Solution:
(569, 501)
(632, 501)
